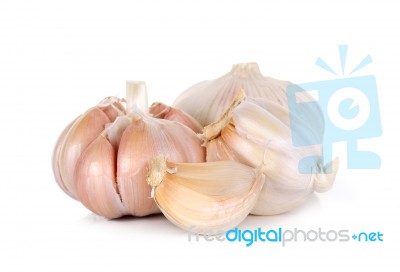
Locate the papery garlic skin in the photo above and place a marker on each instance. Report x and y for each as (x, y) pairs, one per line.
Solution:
(101, 158)
(203, 197)
(252, 135)
(213, 97)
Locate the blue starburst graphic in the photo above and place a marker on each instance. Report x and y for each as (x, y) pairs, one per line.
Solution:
(349, 108)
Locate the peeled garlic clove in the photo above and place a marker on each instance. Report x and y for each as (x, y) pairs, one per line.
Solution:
(203, 197)
(142, 140)
(95, 179)
(162, 111)
(213, 97)
(252, 135)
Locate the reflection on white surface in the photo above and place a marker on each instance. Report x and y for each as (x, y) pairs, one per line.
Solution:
(155, 223)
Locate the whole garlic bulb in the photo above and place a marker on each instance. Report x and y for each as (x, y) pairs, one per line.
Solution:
(101, 158)
(252, 135)
(213, 97)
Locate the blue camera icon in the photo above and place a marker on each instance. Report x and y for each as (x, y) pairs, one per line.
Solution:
(345, 109)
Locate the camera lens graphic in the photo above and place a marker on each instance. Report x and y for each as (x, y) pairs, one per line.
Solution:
(348, 108)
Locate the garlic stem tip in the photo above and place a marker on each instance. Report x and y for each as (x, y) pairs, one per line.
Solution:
(245, 69)
(135, 84)
(136, 96)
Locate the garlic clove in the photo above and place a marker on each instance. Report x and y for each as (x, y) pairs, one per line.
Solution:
(95, 179)
(308, 122)
(56, 155)
(162, 111)
(142, 140)
(260, 126)
(81, 134)
(203, 197)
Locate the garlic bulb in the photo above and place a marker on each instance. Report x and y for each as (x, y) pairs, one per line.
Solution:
(213, 97)
(203, 197)
(122, 158)
(101, 159)
(250, 134)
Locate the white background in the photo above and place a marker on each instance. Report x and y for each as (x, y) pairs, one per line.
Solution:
(57, 58)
